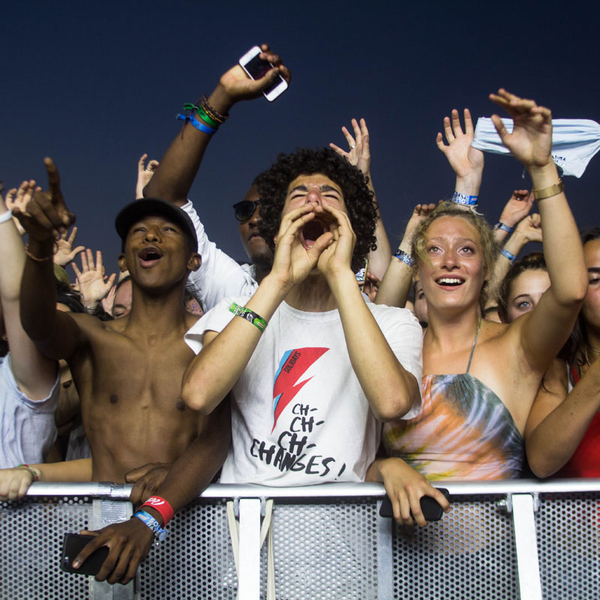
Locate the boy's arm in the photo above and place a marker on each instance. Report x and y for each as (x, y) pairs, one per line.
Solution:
(56, 334)
(178, 167)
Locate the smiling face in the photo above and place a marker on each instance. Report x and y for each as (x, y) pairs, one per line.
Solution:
(157, 253)
(591, 305)
(525, 292)
(323, 193)
(453, 274)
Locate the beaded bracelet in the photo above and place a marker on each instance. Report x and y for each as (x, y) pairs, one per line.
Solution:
(248, 315)
(213, 113)
(504, 227)
(405, 257)
(31, 470)
(464, 199)
(511, 257)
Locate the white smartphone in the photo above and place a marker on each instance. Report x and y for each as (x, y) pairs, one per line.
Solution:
(256, 68)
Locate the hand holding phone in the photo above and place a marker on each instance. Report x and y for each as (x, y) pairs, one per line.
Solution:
(256, 68)
(432, 511)
(73, 544)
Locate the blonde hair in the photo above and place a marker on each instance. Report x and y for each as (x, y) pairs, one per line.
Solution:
(489, 246)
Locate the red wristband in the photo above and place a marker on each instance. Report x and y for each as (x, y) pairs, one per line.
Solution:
(161, 506)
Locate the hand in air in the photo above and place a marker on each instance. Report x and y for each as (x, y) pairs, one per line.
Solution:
(406, 487)
(93, 283)
(238, 86)
(128, 543)
(517, 208)
(359, 153)
(46, 216)
(145, 174)
(463, 158)
(531, 228)
(416, 218)
(294, 258)
(146, 480)
(19, 199)
(531, 139)
(65, 253)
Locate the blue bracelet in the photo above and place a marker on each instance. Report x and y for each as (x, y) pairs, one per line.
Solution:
(405, 257)
(147, 519)
(464, 199)
(504, 227)
(511, 257)
(197, 124)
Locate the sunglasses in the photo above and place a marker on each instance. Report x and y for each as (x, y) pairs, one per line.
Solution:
(244, 210)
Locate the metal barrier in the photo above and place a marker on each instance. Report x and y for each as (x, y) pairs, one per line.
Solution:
(501, 540)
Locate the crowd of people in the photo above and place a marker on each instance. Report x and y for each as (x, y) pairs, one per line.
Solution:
(347, 362)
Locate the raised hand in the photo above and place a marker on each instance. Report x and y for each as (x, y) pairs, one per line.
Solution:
(93, 283)
(359, 153)
(294, 260)
(19, 198)
(46, 216)
(531, 228)
(64, 251)
(237, 86)
(463, 158)
(531, 139)
(517, 208)
(145, 174)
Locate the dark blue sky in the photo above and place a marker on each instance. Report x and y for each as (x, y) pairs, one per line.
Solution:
(95, 85)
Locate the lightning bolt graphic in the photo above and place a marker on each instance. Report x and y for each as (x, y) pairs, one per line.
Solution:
(292, 366)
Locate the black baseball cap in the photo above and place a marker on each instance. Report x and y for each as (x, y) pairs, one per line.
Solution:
(137, 210)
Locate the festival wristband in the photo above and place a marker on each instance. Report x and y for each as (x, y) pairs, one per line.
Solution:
(160, 505)
(511, 257)
(464, 199)
(550, 191)
(7, 216)
(405, 257)
(31, 470)
(504, 227)
(197, 124)
(159, 533)
(248, 315)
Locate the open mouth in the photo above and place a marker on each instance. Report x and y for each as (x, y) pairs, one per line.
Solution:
(311, 232)
(450, 281)
(150, 255)
(254, 235)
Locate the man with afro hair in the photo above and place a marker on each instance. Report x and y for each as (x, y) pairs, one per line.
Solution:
(312, 368)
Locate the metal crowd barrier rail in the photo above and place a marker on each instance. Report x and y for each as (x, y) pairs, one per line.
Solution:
(506, 540)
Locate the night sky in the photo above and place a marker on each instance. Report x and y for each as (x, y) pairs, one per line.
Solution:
(95, 85)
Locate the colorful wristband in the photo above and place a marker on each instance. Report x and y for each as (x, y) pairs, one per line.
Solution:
(504, 227)
(405, 257)
(248, 315)
(197, 124)
(147, 519)
(7, 216)
(160, 505)
(206, 117)
(511, 257)
(31, 470)
(464, 199)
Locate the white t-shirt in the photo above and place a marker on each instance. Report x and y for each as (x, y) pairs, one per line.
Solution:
(299, 414)
(27, 426)
(219, 275)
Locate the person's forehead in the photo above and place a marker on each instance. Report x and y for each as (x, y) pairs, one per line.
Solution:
(318, 179)
(450, 225)
(592, 253)
(252, 194)
(531, 280)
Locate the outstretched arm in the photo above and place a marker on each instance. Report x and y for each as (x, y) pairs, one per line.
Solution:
(359, 155)
(542, 332)
(396, 282)
(34, 373)
(45, 218)
(178, 167)
(130, 542)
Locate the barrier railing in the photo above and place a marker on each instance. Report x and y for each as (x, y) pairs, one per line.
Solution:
(503, 540)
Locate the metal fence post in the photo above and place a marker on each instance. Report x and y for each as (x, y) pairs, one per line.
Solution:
(385, 586)
(523, 507)
(249, 553)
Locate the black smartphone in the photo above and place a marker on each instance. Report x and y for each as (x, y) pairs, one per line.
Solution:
(432, 511)
(73, 544)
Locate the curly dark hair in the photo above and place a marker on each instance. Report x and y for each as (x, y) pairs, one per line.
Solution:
(273, 186)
